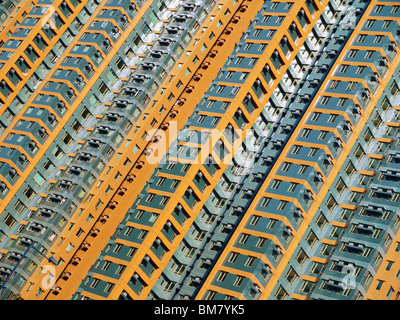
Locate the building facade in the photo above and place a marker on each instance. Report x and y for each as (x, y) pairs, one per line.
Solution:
(200, 150)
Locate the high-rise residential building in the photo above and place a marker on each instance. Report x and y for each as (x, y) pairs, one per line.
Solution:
(199, 149)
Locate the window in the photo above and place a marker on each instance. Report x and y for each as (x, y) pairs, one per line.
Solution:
(292, 187)
(271, 224)
(103, 88)
(201, 119)
(331, 203)
(303, 169)
(264, 202)
(313, 152)
(285, 167)
(317, 268)
(210, 295)
(315, 116)
(131, 252)
(361, 38)
(351, 86)
(389, 265)
(311, 239)
(38, 178)
(19, 206)
(275, 184)
(175, 184)
(360, 70)
(89, 218)
(167, 285)
(281, 294)
(215, 120)
(325, 100)
(322, 135)
(352, 53)
(150, 197)
(94, 283)
(378, 39)
(160, 181)
(187, 72)
(359, 153)
(389, 294)
(340, 186)
(369, 54)
(305, 133)
(370, 23)
(9, 221)
(142, 234)
(254, 220)
(335, 83)
(69, 247)
(332, 118)
(342, 102)
(109, 287)
(79, 233)
(164, 200)
(296, 149)
(350, 169)
(247, 46)
(39, 292)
